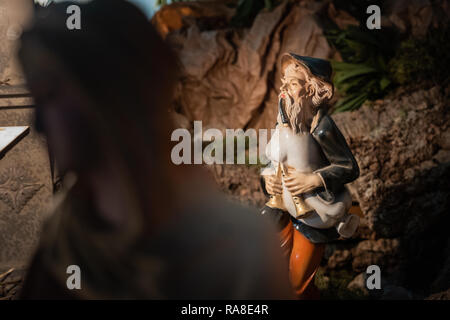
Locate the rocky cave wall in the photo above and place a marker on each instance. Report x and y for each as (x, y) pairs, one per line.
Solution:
(230, 79)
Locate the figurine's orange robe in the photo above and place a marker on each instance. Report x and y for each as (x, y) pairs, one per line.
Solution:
(315, 147)
(304, 260)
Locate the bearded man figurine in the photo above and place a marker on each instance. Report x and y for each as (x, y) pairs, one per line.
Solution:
(310, 163)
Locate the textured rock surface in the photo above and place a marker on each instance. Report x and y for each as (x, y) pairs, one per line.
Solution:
(230, 77)
(240, 182)
(11, 283)
(230, 80)
(445, 295)
(401, 144)
(359, 283)
(417, 16)
(181, 15)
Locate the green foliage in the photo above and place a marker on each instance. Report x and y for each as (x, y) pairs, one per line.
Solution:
(422, 59)
(358, 82)
(364, 74)
(375, 61)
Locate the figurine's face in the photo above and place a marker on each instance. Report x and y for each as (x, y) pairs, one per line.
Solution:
(294, 80)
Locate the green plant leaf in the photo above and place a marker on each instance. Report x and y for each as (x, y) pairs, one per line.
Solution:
(351, 102)
(384, 82)
(348, 70)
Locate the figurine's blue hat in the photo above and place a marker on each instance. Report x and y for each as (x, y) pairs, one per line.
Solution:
(318, 67)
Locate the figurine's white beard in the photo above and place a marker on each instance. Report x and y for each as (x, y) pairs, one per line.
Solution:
(298, 112)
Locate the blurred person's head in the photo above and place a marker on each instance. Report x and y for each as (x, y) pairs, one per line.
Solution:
(102, 95)
(102, 92)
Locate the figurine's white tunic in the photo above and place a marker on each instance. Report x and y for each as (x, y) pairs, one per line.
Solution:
(303, 153)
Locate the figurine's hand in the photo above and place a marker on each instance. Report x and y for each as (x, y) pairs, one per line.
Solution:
(297, 182)
(273, 185)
